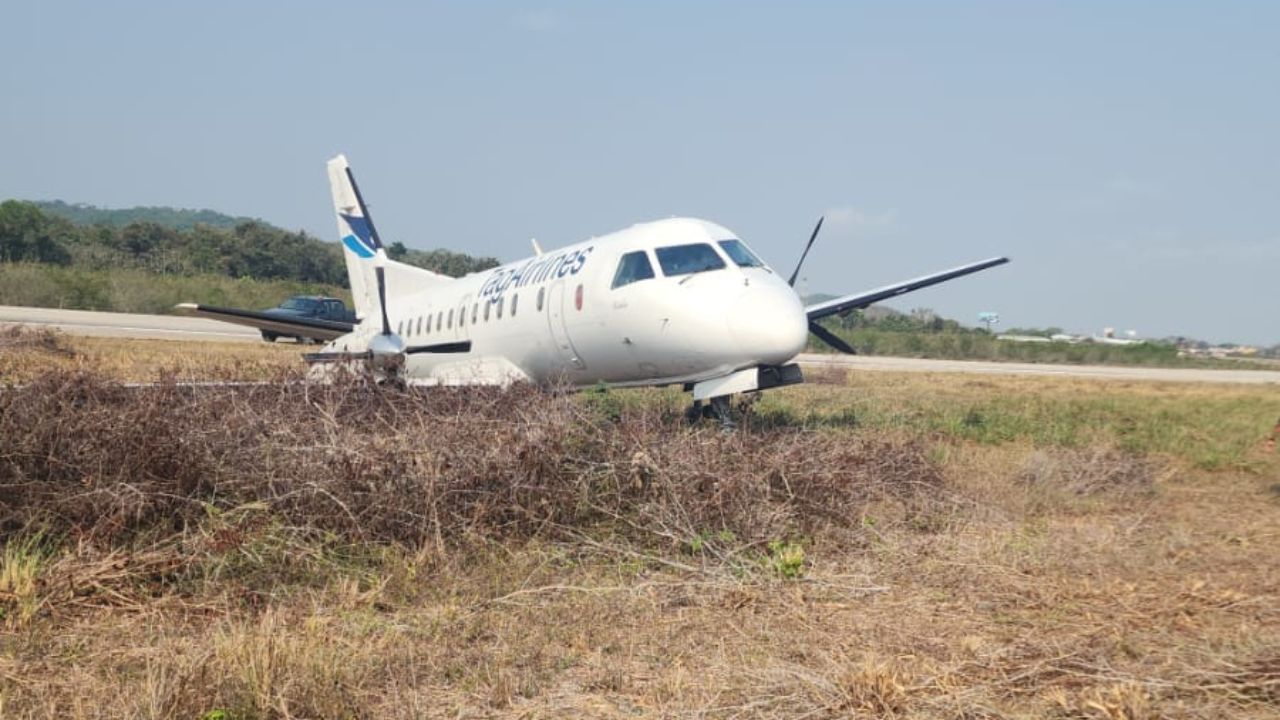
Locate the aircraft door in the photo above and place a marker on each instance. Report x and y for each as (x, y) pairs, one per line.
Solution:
(557, 308)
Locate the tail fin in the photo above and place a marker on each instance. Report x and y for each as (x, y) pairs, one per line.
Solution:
(360, 245)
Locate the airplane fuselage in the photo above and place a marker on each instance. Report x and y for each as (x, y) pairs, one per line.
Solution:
(672, 301)
(662, 302)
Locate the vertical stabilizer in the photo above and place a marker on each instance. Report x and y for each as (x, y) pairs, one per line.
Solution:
(363, 250)
(359, 246)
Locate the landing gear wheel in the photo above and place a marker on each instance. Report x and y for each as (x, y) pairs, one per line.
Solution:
(722, 409)
(719, 409)
(694, 412)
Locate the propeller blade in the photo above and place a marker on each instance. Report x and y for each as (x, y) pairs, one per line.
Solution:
(451, 347)
(831, 338)
(380, 270)
(805, 254)
(332, 357)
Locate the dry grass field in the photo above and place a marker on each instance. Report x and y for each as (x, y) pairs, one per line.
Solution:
(866, 545)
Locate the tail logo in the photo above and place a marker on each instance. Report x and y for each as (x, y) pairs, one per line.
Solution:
(360, 241)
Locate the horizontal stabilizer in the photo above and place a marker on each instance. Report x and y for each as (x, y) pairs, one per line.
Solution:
(312, 328)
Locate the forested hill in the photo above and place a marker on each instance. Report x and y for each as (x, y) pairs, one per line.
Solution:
(176, 218)
(180, 242)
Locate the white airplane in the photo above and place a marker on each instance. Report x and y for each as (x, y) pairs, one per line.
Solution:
(677, 301)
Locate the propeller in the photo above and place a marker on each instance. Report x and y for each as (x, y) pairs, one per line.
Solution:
(386, 351)
(822, 333)
(831, 338)
(805, 254)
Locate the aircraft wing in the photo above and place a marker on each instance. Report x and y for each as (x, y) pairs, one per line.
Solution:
(302, 327)
(863, 299)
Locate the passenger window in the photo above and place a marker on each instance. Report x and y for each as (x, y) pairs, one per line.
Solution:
(428, 324)
(501, 300)
(419, 326)
(515, 298)
(400, 328)
(633, 267)
(687, 259)
(486, 311)
(450, 323)
(475, 312)
(541, 292)
(739, 253)
(439, 321)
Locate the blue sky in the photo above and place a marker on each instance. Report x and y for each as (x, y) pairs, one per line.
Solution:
(1125, 155)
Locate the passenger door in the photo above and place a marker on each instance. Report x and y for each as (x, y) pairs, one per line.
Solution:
(556, 308)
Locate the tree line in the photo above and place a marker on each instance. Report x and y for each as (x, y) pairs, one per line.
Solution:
(247, 249)
(919, 320)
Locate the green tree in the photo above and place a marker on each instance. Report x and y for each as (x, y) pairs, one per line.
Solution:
(167, 241)
(27, 235)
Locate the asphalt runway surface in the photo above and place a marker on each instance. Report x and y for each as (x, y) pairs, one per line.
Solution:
(125, 325)
(1097, 372)
(178, 327)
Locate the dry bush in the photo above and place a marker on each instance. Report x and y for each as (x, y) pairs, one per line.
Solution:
(88, 457)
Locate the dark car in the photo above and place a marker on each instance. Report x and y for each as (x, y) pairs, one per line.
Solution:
(312, 307)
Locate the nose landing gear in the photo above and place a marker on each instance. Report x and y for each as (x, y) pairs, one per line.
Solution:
(719, 409)
(717, 393)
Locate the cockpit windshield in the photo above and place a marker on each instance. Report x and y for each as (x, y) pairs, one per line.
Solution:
(740, 254)
(687, 259)
(633, 267)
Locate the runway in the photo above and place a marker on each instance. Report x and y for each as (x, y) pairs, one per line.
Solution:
(1096, 372)
(125, 325)
(178, 327)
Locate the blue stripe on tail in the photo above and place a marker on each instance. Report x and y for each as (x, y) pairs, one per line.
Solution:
(361, 242)
(354, 245)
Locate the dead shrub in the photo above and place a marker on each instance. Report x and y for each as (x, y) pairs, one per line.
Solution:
(88, 457)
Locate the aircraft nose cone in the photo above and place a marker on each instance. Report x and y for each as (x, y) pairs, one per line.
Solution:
(769, 324)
